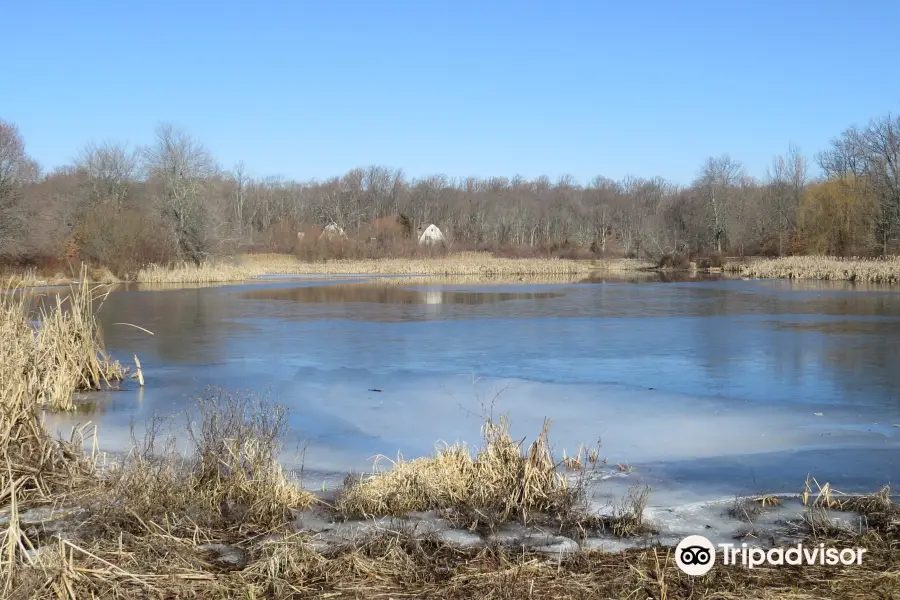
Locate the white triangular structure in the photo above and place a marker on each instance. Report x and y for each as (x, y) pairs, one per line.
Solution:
(431, 235)
(332, 231)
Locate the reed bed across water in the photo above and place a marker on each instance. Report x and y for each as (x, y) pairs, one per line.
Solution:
(885, 270)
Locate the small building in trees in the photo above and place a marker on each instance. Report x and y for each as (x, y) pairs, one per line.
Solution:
(430, 235)
(332, 231)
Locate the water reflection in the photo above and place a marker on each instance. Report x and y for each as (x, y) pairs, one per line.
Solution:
(654, 276)
(189, 325)
(388, 294)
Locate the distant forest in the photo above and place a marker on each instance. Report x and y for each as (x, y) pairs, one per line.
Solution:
(170, 201)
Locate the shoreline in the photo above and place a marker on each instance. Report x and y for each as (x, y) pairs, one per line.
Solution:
(625, 544)
(253, 267)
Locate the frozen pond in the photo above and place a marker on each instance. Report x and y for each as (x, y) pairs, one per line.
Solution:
(707, 388)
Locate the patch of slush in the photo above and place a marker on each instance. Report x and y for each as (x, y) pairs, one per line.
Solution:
(717, 520)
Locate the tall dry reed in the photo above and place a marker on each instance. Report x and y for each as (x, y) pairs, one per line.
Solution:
(56, 350)
(885, 270)
(461, 263)
(46, 355)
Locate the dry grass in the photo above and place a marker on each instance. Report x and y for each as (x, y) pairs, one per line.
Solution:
(31, 278)
(142, 520)
(396, 565)
(747, 509)
(827, 268)
(481, 265)
(35, 466)
(56, 350)
(42, 363)
(192, 273)
(462, 263)
(156, 519)
(227, 480)
(499, 483)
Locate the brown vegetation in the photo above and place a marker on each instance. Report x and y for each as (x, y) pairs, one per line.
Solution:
(498, 484)
(155, 522)
(52, 346)
(154, 526)
(169, 202)
(228, 479)
(462, 263)
(827, 268)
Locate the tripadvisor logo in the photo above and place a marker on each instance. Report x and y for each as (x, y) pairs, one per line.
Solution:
(696, 555)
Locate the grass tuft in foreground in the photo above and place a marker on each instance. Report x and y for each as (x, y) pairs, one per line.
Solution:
(499, 483)
(227, 478)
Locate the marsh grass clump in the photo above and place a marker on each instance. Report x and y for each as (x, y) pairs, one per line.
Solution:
(499, 483)
(878, 510)
(747, 509)
(208, 272)
(627, 519)
(237, 443)
(36, 466)
(818, 523)
(71, 354)
(55, 350)
(227, 478)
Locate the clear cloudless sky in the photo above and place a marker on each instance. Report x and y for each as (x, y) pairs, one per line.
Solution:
(309, 89)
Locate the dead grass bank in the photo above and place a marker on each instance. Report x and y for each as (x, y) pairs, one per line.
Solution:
(163, 564)
(463, 263)
(827, 268)
(245, 267)
(155, 526)
(31, 277)
(52, 346)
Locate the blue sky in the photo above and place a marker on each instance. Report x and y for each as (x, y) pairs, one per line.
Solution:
(312, 89)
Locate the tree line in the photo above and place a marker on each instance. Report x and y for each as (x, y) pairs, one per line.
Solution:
(170, 201)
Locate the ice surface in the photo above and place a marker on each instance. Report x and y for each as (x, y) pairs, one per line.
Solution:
(701, 391)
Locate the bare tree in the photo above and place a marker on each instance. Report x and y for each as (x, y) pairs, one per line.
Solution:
(786, 181)
(181, 166)
(881, 145)
(715, 184)
(239, 181)
(111, 169)
(17, 170)
(870, 157)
